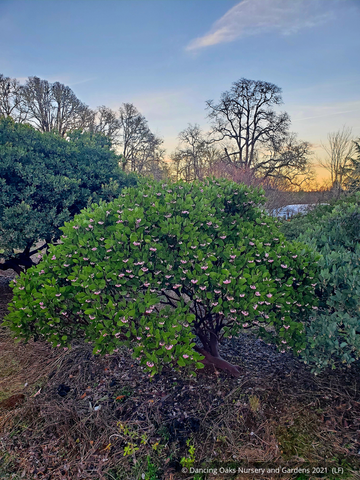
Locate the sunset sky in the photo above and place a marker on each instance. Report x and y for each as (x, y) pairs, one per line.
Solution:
(169, 56)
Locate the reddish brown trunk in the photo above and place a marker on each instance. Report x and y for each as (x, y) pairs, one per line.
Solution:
(218, 362)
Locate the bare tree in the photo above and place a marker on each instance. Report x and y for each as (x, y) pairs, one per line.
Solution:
(253, 136)
(37, 96)
(286, 159)
(134, 131)
(10, 99)
(70, 112)
(245, 117)
(53, 107)
(194, 154)
(140, 148)
(339, 149)
(352, 181)
(149, 155)
(106, 122)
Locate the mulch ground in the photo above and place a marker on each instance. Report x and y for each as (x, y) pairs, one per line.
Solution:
(77, 416)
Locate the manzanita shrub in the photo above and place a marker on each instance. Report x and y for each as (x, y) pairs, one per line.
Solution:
(162, 264)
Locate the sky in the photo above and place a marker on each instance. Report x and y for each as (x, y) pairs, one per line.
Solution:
(168, 57)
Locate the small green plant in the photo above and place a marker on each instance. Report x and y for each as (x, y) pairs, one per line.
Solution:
(123, 393)
(130, 436)
(189, 461)
(254, 403)
(221, 439)
(134, 439)
(130, 449)
(164, 433)
(145, 468)
(152, 472)
(156, 446)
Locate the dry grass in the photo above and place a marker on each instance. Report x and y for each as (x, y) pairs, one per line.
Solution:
(228, 420)
(23, 364)
(19, 364)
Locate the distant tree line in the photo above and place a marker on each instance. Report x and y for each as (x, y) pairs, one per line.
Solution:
(54, 107)
(248, 139)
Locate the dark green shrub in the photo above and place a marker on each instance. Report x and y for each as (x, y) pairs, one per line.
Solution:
(334, 333)
(163, 263)
(44, 181)
(298, 224)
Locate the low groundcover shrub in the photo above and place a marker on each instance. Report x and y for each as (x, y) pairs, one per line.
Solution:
(164, 263)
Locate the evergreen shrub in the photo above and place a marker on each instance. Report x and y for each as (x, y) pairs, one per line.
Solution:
(44, 181)
(334, 332)
(164, 263)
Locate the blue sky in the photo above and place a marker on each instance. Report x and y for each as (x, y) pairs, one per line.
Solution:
(169, 56)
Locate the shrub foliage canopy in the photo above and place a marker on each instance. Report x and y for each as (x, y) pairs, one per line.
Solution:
(162, 264)
(334, 333)
(45, 180)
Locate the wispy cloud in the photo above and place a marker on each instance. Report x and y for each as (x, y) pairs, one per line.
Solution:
(254, 17)
(309, 112)
(65, 79)
(327, 116)
(90, 79)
